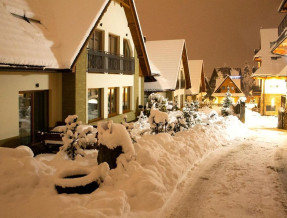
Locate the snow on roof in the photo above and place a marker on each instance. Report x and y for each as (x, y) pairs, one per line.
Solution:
(220, 81)
(195, 69)
(166, 55)
(283, 72)
(55, 40)
(267, 36)
(154, 70)
(271, 67)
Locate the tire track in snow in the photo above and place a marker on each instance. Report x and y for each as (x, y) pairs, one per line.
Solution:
(236, 181)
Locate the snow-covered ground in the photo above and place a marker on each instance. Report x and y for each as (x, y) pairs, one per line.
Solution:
(156, 177)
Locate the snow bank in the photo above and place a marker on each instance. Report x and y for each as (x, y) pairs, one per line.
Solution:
(136, 188)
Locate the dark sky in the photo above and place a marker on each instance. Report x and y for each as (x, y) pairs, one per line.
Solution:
(221, 32)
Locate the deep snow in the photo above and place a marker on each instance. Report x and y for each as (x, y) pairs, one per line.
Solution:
(140, 187)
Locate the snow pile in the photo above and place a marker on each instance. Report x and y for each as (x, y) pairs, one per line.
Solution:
(136, 188)
(255, 120)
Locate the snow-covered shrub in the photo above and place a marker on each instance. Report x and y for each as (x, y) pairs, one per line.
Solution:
(74, 142)
(114, 136)
(227, 102)
(158, 120)
(156, 101)
(129, 127)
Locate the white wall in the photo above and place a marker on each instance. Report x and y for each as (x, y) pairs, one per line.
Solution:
(113, 22)
(10, 85)
(105, 81)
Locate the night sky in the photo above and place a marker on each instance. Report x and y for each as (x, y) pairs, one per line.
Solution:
(221, 32)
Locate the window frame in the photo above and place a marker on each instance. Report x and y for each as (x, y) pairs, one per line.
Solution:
(93, 34)
(116, 101)
(100, 106)
(128, 100)
(117, 40)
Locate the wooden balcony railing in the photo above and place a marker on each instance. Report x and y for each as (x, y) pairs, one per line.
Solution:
(282, 25)
(104, 62)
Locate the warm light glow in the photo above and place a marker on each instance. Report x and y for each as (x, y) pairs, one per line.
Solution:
(216, 101)
(282, 48)
(275, 86)
(272, 102)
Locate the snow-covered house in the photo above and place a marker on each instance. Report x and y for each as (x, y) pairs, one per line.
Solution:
(222, 85)
(170, 58)
(271, 75)
(221, 73)
(280, 42)
(68, 57)
(197, 79)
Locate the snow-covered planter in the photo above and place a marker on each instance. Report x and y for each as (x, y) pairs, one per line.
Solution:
(114, 141)
(80, 180)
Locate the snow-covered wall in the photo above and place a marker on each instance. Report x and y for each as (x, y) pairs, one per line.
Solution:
(113, 22)
(11, 83)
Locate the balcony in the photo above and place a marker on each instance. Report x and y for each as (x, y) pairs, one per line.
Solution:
(104, 62)
(282, 25)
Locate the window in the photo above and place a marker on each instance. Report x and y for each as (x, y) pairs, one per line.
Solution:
(112, 101)
(182, 80)
(94, 104)
(127, 50)
(96, 41)
(113, 44)
(126, 99)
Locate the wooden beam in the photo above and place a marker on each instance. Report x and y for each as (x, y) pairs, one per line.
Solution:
(123, 3)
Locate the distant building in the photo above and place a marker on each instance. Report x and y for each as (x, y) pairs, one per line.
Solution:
(198, 81)
(169, 57)
(222, 85)
(221, 73)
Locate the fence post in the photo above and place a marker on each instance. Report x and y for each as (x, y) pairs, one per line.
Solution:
(242, 112)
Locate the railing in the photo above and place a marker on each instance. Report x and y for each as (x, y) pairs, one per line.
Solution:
(101, 62)
(282, 25)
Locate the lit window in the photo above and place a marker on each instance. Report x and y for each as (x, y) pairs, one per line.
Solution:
(94, 104)
(126, 99)
(112, 101)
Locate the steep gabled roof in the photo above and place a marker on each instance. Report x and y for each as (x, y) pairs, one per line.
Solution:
(195, 71)
(51, 33)
(219, 83)
(167, 55)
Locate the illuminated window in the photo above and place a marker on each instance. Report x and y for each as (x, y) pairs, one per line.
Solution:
(126, 99)
(94, 104)
(112, 101)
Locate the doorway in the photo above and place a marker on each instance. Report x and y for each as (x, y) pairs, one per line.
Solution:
(33, 115)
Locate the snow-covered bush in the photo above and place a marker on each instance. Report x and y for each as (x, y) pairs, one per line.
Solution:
(74, 142)
(156, 101)
(129, 127)
(227, 102)
(158, 120)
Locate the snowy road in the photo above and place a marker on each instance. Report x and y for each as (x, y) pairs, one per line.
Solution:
(242, 179)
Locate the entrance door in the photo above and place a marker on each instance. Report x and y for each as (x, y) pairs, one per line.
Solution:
(33, 115)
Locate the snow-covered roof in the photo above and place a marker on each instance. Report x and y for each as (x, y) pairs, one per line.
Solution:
(51, 33)
(283, 72)
(220, 81)
(166, 55)
(271, 67)
(54, 34)
(195, 71)
(267, 36)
